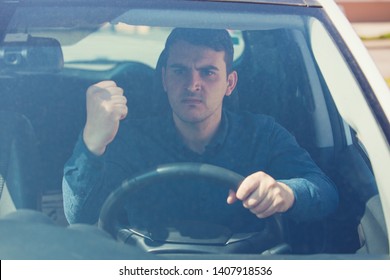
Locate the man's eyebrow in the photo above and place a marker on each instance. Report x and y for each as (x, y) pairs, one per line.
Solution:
(176, 65)
(208, 67)
(205, 67)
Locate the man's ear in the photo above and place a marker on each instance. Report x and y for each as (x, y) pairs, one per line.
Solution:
(232, 82)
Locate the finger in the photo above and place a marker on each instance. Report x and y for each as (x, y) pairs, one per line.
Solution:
(118, 111)
(262, 207)
(101, 85)
(254, 186)
(231, 197)
(105, 89)
(105, 84)
(117, 114)
(123, 110)
(253, 200)
(113, 102)
(115, 107)
(118, 99)
(247, 187)
(114, 90)
(111, 95)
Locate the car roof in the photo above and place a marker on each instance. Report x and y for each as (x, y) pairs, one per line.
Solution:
(281, 2)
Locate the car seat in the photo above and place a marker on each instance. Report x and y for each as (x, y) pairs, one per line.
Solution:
(272, 82)
(20, 179)
(136, 79)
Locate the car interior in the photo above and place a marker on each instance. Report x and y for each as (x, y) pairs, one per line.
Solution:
(42, 112)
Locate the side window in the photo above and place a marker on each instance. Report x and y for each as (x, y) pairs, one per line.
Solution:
(238, 43)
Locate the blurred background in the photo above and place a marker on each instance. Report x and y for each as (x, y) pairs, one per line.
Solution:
(371, 21)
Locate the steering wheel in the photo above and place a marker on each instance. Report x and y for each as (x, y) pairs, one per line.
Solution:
(188, 236)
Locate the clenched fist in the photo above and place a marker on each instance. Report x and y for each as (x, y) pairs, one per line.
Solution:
(106, 107)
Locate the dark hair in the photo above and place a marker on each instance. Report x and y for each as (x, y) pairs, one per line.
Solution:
(216, 39)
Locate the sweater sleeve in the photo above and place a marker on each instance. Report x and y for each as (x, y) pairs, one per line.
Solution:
(82, 185)
(315, 194)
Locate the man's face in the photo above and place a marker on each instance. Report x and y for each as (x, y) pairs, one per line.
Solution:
(196, 82)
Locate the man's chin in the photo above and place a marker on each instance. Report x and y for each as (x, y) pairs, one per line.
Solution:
(190, 118)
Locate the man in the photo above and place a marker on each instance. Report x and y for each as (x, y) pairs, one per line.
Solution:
(196, 75)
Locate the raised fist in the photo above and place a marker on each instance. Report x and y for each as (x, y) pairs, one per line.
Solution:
(106, 107)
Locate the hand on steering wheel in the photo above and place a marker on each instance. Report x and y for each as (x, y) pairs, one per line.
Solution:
(226, 242)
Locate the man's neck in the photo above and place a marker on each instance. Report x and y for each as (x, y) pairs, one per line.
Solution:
(197, 135)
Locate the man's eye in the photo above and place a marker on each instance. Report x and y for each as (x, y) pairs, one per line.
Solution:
(178, 71)
(208, 73)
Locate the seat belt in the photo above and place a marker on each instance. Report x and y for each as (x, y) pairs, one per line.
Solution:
(3, 168)
(5, 142)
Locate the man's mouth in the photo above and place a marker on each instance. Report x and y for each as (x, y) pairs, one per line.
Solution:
(191, 101)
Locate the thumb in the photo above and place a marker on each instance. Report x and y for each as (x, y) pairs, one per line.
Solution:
(231, 197)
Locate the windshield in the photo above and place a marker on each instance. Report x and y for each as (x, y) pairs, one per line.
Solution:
(142, 43)
(198, 130)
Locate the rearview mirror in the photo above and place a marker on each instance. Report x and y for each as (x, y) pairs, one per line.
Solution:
(24, 54)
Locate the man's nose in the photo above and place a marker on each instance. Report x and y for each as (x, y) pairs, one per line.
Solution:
(194, 82)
